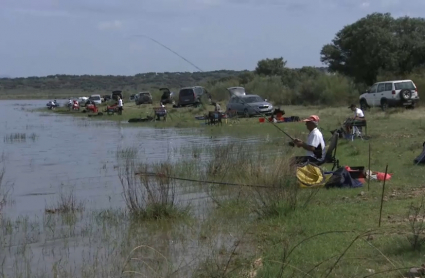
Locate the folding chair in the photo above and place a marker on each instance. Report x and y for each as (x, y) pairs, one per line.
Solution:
(330, 156)
(357, 129)
(160, 112)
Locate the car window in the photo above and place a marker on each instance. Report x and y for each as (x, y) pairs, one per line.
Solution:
(404, 85)
(373, 88)
(237, 91)
(388, 86)
(381, 87)
(199, 91)
(186, 92)
(253, 99)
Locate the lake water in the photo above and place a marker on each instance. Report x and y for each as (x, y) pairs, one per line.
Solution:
(45, 153)
(63, 151)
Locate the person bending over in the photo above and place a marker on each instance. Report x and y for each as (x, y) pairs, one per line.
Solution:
(358, 116)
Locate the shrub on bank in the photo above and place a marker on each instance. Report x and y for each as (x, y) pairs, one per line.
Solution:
(304, 89)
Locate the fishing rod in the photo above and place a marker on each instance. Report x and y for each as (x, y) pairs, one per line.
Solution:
(166, 47)
(289, 136)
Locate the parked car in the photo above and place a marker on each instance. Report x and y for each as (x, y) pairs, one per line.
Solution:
(82, 100)
(96, 99)
(249, 105)
(167, 96)
(132, 97)
(116, 94)
(386, 94)
(143, 98)
(190, 96)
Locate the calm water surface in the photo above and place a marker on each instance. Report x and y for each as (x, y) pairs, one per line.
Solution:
(46, 153)
(60, 152)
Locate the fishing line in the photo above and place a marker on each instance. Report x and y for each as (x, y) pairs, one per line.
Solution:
(166, 47)
(164, 176)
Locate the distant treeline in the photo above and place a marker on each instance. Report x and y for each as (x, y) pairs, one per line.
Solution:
(141, 81)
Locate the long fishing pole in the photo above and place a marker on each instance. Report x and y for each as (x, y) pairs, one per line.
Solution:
(166, 47)
(289, 136)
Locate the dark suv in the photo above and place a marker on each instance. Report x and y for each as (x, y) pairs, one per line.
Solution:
(190, 96)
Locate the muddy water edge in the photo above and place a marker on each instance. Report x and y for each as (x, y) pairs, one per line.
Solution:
(67, 214)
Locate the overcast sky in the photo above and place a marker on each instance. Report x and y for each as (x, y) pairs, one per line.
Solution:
(43, 37)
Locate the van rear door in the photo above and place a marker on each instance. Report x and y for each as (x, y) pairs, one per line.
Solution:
(186, 96)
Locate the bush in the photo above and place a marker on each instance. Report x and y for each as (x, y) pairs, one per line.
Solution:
(271, 88)
(218, 89)
(303, 89)
(307, 86)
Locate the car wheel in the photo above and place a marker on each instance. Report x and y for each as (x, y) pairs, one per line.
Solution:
(363, 105)
(384, 105)
(405, 94)
(245, 113)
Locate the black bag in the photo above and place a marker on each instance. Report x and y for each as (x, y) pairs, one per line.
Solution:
(341, 178)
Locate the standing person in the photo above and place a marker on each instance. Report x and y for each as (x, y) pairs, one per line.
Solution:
(315, 145)
(162, 112)
(217, 107)
(358, 116)
(120, 105)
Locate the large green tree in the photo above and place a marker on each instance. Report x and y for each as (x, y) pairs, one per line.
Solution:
(410, 43)
(270, 67)
(374, 43)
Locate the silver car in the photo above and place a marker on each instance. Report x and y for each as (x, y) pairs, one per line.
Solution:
(249, 105)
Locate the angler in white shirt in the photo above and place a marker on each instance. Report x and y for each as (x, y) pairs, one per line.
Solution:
(358, 116)
(315, 145)
(120, 108)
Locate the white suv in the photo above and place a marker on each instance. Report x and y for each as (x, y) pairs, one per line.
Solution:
(390, 94)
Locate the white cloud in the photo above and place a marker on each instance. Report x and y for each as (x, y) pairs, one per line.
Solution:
(365, 5)
(110, 25)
